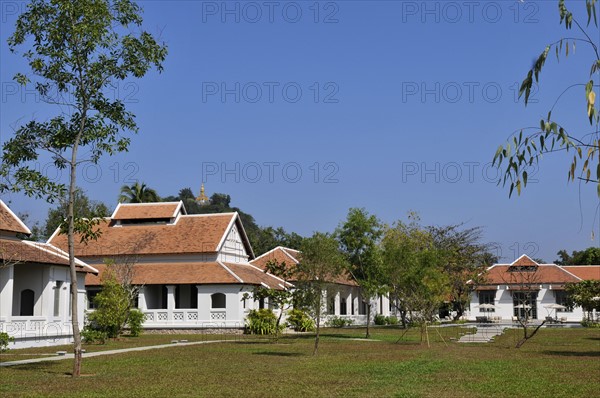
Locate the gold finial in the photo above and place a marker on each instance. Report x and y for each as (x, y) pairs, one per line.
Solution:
(202, 199)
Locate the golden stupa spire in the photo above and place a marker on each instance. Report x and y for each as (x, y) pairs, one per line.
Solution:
(202, 198)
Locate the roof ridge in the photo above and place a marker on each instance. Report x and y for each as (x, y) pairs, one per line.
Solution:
(15, 217)
(230, 271)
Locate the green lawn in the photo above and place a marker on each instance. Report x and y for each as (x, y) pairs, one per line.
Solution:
(555, 363)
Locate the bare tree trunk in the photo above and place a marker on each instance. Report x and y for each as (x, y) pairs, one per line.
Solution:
(318, 328)
(73, 271)
(368, 319)
(527, 337)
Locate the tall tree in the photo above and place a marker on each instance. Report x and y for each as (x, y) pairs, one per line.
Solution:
(320, 264)
(138, 193)
(466, 257)
(83, 207)
(359, 238)
(589, 256)
(414, 270)
(78, 48)
(586, 294)
(528, 145)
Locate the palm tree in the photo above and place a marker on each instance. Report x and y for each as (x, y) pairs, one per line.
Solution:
(138, 193)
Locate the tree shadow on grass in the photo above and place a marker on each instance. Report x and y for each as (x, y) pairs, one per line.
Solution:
(279, 354)
(45, 367)
(593, 338)
(573, 353)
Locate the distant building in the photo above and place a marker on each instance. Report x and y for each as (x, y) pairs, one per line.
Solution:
(193, 270)
(35, 302)
(507, 290)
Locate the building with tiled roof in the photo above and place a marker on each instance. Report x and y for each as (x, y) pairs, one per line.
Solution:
(526, 288)
(191, 270)
(34, 287)
(343, 294)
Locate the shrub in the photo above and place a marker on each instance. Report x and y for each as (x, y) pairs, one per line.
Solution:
(338, 322)
(380, 319)
(4, 340)
(93, 336)
(262, 322)
(586, 323)
(135, 322)
(300, 321)
(112, 307)
(391, 320)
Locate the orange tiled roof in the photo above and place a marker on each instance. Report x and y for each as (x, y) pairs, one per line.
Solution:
(19, 252)
(584, 272)
(291, 256)
(141, 211)
(192, 273)
(10, 222)
(190, 234)
(545, 274)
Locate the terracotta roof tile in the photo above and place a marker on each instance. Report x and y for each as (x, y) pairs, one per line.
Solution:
(585, 272)
(281, 254)
(141, 211)
(190, 234)
(10, 222)
(191, 273)
(22, 252)
(546, 274)
(254, 276)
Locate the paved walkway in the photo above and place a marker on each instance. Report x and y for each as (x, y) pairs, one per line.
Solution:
(484, 334)
(108, 352)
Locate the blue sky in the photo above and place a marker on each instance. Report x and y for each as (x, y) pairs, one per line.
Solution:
(301, 110)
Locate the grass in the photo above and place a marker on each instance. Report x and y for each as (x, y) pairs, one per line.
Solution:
(556, 363)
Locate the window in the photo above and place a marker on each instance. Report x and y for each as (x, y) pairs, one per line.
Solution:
(27, 302)
(91, 294)
(332, 304)
(563, 299)
(57, 289)
(261, 303)
(343, 307)
(194, 296)
(525, 305)
(487, 297)
(217, 300)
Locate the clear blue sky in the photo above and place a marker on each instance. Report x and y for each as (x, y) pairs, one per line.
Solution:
(388, 105)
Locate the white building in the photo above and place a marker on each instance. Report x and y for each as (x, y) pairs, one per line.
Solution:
(524, 285)
(193, 270)
(35, 305)
(342, 296)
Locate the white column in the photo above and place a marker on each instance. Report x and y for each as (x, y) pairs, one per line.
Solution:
(170, 301)
(142, 299)
(336, 303)
(6, 292)
(349, 303)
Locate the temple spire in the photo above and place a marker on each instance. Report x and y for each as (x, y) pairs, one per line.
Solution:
(202, 198)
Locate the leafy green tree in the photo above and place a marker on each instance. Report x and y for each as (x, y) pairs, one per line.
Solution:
(75, 49)
(321, 262)
(466, 257)
(113, 304)
(527, 146)
(585, 294)
(414, 269)
(359, 238)
(138, 193)
(83, 207)
(589, 256)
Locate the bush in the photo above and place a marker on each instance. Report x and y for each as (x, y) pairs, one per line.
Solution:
(300, 321)
(93, 336)
(112, 307)
(338, 322)
(391, 320)
(135, 322)
(262, 322)
(380, 319)
(586, 323)
(4, 340)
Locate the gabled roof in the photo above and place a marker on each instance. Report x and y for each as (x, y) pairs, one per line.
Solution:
(584, 272)
(282, 254)
(9, 221)
(526, 271)
(18, 252)
(215, 272)
(188, 234)
(142, 211)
